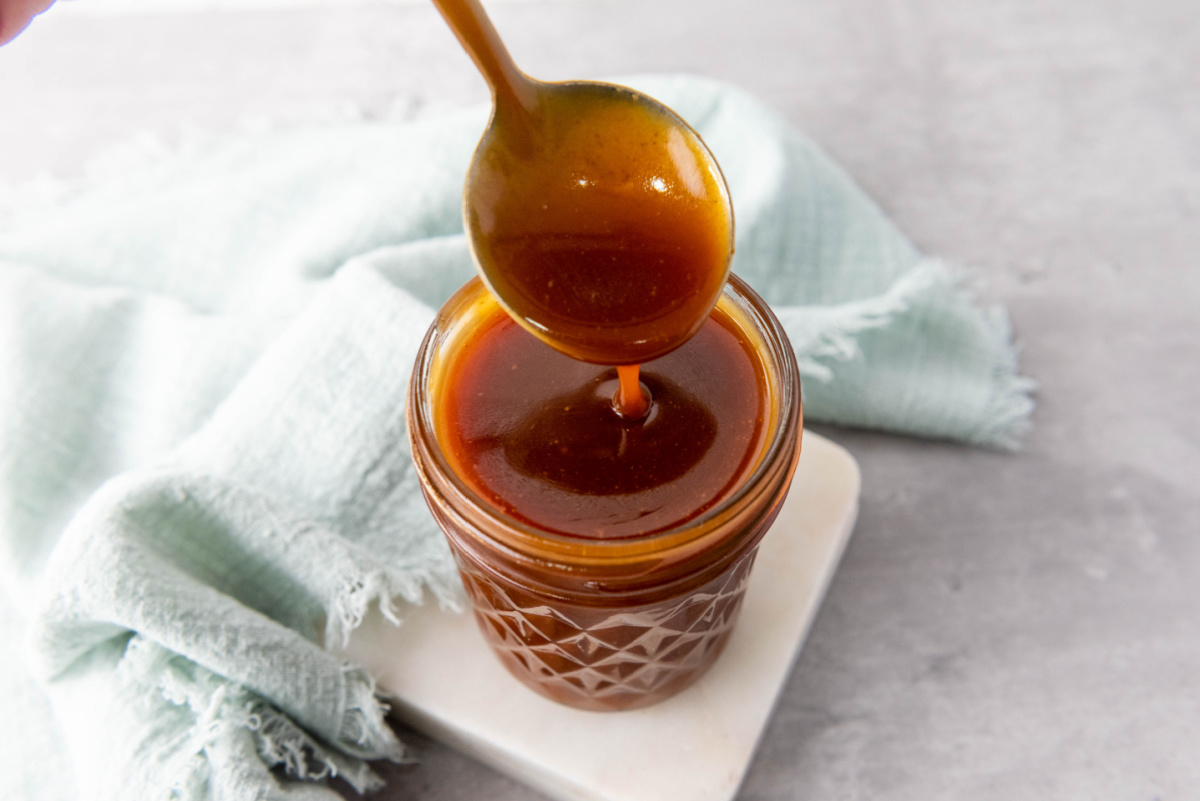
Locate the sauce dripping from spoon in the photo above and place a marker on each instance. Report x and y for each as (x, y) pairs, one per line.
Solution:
(597, 217)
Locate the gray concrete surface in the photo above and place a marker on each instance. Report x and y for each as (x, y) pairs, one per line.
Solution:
(1003, 626)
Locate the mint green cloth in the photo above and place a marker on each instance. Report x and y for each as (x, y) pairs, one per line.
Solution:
(204, 477)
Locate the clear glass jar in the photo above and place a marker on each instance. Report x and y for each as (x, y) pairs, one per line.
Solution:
(607, 624)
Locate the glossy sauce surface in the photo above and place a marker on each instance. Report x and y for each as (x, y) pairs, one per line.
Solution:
(533, 432)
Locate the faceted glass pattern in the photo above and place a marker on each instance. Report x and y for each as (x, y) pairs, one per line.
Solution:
(604, 659)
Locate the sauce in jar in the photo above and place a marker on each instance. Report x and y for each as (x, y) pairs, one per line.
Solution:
(534, 431)
(604, 578)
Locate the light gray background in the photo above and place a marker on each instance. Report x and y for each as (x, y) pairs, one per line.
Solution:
(1002, 627)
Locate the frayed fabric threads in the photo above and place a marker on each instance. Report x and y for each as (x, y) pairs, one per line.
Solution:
(820, 334)
(224, 711)
(975, 394)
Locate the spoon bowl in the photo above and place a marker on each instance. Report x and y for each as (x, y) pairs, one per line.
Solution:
(600, 221)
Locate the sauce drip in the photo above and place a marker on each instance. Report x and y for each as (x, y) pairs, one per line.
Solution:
(632, 399)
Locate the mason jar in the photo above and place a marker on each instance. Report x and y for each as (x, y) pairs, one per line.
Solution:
(606, 624)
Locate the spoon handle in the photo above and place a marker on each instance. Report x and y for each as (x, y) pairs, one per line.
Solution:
(479, 38)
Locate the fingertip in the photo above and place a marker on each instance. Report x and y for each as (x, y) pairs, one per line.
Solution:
(15, 16)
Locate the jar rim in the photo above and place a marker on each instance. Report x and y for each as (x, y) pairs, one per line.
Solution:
(529, 540)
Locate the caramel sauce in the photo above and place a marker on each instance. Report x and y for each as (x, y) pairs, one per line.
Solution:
(533, 432)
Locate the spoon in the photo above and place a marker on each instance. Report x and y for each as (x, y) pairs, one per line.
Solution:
(597, 217)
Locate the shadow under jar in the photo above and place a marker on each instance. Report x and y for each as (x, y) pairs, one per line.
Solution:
(606, 559)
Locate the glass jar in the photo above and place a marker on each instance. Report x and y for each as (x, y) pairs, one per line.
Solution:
(607, 624)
